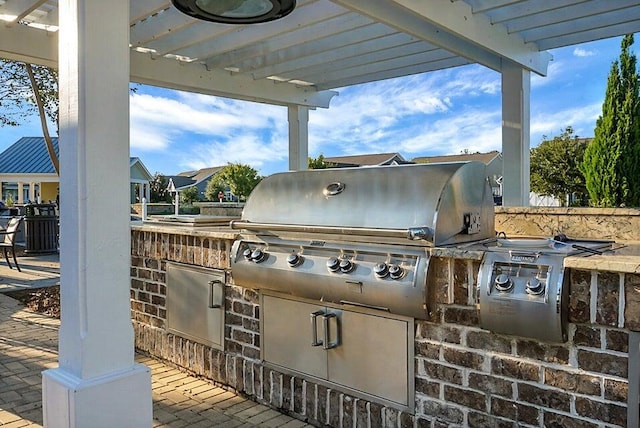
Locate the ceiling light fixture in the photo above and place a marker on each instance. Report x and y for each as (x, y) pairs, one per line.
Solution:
(236, 11)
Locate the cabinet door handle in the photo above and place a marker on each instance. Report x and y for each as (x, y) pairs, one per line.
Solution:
(212, 285)
(314, 328)
(327, 342)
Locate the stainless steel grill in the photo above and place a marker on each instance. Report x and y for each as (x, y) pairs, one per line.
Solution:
(358, 236)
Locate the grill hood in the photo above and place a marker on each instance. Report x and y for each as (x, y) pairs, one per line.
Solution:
(437, 204)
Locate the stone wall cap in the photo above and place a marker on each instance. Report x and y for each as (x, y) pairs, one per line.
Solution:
(208, 232)
(609, 263)
(569, 211)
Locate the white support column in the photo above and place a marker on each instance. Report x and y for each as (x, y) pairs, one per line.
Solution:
(97, 383)
(298, 137)
(32, 192)
(20, 193)
(516, 83)
(147, 192)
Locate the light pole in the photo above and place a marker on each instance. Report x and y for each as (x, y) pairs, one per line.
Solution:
(171, 188)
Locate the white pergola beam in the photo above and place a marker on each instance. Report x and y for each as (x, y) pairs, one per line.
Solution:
(324, 52)
(195, 78)
(454, 26)
(21, 43)
(240, 36)
(290, 45)
(355, 79)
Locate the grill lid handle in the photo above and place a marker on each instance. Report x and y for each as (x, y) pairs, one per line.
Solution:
(334, 189)
(415, 233)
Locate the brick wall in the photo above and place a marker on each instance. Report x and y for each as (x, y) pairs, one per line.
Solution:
(465, 376)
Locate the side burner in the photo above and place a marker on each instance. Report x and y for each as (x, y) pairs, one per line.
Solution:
(522, 288)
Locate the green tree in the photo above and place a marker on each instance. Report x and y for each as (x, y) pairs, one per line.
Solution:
(319, 163)
(190, 195)
(158, 189)
(25, 90)
(215, 186)
(555, 166)
(612, 161)
(241, 179)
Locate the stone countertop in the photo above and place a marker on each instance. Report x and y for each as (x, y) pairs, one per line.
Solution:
(220, 232)
(625, 257)
(468, 253)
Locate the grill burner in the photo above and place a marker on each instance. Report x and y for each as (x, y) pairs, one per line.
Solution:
(359, 236)
(522, 289)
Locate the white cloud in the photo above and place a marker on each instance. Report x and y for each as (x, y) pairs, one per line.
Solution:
(246, 148)
(158, 121)
(475, 130)
(380, 116)
(581, 52)
(550, 123)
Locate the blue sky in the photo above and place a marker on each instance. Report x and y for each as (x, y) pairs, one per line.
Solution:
(439, 113)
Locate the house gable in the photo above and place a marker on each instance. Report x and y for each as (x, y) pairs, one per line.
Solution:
(375, 159)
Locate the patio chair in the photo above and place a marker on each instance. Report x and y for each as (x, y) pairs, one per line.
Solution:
(9, 241)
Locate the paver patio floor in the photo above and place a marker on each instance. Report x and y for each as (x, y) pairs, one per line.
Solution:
(29, 345)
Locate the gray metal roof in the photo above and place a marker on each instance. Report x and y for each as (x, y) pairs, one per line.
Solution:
(28, 155)
(328, 44)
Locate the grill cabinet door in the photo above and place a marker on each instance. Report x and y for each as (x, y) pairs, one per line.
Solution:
(364, 352)
(195, 303)
(287, 336)
(372, 356)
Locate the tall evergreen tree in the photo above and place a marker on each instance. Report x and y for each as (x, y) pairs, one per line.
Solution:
(612, 161)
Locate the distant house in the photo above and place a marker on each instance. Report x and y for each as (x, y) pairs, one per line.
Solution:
(198, 179)
(140, 179)
(27, 174)
(492, 159)
(376, 159)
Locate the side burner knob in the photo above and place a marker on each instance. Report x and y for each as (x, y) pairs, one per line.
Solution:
(396, 272)
(346, 266)
(258, 255)
(333, 264)
(294, 259)
(381, 270)
(503, 283)
(535, 287)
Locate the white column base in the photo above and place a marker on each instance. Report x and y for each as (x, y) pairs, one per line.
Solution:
(118, 399)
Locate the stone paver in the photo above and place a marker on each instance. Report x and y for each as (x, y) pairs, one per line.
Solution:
(39, 271)
(28, 345)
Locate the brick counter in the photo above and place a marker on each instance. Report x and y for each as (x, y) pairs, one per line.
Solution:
(464, 376)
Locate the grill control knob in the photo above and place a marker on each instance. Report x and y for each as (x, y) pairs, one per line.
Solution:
(258, 255)
(381, 270)
(396, 272)
(346, 266)
(294, 259)
(534, 286)
(333, 264)
(503, 283)
(247, 253)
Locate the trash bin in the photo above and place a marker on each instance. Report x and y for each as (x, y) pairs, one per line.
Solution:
(40, 228)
